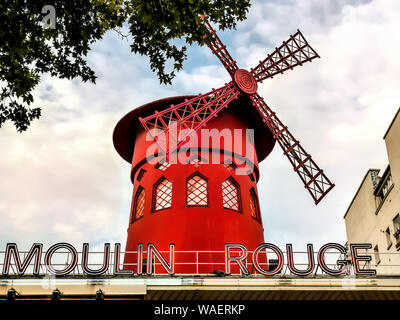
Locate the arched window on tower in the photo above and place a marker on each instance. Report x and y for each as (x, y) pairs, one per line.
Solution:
(196, 190)
(231, 195)
(162, 194)
(254, 208)
(138, 204)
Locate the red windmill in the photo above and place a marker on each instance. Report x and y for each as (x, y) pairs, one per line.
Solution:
(186, 204)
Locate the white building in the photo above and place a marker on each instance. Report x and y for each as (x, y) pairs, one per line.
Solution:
(373, 215)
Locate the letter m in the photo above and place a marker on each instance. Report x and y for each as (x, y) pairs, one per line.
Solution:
(12, 251)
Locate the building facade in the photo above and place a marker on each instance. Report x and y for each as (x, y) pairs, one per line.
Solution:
(374, 213)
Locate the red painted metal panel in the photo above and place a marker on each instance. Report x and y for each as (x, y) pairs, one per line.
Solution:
(195, 227)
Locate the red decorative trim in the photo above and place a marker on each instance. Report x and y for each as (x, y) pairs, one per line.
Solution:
(140, 174)
(251, 176)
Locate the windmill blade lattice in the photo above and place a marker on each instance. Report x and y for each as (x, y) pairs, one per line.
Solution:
(190, 114)
(293, 52)
(314, 179)
(218, 48)
(196, 112)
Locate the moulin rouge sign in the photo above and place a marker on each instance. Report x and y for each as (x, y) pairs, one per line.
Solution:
(235, 254)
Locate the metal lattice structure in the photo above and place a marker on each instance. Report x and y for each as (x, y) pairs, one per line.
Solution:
(190, 115)
(310, 174)
(293, 52)
(196, 112)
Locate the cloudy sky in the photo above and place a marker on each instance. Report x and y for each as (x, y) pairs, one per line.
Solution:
(62, 180)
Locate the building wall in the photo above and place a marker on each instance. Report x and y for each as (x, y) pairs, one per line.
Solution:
(392, 140)
(367, 219)
(360, 218)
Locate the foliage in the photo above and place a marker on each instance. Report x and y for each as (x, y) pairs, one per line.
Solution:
(28, 49)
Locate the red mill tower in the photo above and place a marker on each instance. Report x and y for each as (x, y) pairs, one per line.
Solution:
(206, 198)
(202, 200)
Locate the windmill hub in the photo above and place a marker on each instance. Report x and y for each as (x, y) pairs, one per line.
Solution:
(245, 81)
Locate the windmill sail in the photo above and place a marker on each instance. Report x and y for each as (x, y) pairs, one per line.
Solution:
(293, 52)
(219, 49)
(195, 113)
(191, 114)
(313, 178)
